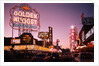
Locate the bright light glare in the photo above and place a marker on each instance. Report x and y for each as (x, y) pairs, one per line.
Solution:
(72, 27)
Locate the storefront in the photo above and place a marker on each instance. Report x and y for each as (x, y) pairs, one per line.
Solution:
(22, 42)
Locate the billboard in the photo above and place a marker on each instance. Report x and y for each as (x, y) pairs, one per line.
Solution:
(72, 35)
(24, 17)
(15, 41)
(43, 35)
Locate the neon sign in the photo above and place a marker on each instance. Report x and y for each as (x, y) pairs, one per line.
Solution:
(72, 35)
(43, 35)
(15, 41)
(24, 17)
(90, 32)
(83, 36)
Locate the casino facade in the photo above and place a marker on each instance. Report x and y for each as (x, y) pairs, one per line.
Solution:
(26, 41)
(26, 20)
(86, 34)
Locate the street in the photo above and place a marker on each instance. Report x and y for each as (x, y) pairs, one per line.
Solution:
(29, 56)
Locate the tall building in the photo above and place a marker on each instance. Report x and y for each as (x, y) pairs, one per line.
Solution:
(50, 35)
(86, 34)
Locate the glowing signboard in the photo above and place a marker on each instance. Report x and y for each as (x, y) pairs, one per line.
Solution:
(83, 36)
(73, 32)
(24, 17)
(72, 35)
(43, 35)
(30, 47)
(88, 34)
(26, 39)
(15, 41)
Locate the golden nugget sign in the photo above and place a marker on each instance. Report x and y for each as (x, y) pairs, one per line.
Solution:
(24, 17)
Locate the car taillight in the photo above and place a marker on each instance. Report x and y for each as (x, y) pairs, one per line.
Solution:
(43, 58)
(78, 55)
(53, 57)
(32, 59)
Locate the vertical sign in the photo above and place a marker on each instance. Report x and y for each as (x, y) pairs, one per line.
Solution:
(83, 36)
(72, 33)
(50, 35)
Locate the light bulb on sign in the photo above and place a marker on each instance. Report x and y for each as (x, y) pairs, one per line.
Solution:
(72, 27)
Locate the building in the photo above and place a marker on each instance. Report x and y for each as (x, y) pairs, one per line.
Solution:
(23, 42)
(86, 35)
(26, 41)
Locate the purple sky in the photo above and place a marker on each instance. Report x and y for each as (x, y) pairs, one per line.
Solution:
(60, 16)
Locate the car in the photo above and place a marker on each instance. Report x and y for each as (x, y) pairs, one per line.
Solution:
(85, 57)
(55, 57)
(67, 57)
(39, 58)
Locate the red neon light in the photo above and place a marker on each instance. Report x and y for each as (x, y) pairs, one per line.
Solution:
(26, 8)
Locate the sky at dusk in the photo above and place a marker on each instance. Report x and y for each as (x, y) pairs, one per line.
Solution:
(60, 16)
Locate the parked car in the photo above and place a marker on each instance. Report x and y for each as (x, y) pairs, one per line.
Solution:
(67, 57)
(85, 57)
(55, 57)
(39, 58)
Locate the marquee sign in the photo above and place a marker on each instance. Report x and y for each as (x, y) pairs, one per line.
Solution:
(26, 39)
(24, 17)
(43, 35)
(72, 35)
(15, 41)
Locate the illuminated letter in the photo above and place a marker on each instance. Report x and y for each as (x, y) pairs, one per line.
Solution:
(15, 19)
(28, 21)
(20, 20)
(33, 21)
(31, 15)
(23, 14)
(15, 13)
(20, 13)
(27, 14)
(35, 16)
(24, 21)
